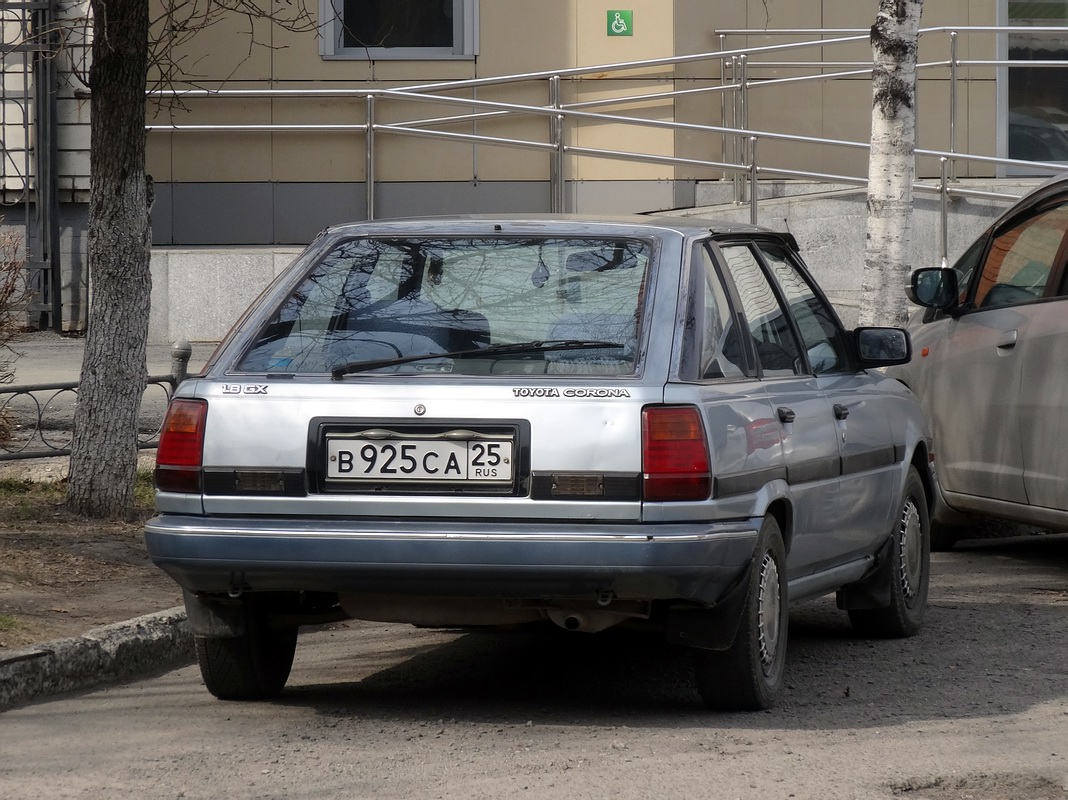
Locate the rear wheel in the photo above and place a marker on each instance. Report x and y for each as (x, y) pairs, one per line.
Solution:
(748, 675)
(252, 666)
(910, 569)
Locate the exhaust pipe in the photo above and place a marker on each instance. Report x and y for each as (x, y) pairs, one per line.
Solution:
(585, 622)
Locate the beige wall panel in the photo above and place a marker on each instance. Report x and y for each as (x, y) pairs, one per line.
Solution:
(847, 13)
(226, 157)
(222, 156)
(701, 109)
(932, 125)
(317, 157)
(932, 116)
(507, 163)
(779, 14)
(633, 138)
(978, 47)
(318, 110)
(412, 72)
(979, 135)
(983, 13)
(224, 50)
(214, 110)
(847, 117)
(296, 58)
(696, 23)
(653, 34)
(411, 158)
(158, 156)
(517, 38)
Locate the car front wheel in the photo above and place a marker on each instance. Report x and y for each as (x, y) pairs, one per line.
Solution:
(748, 675)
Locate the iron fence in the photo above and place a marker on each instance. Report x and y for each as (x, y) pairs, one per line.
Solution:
(39, 417)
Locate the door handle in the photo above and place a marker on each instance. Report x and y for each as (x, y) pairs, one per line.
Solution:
(785, 414)
(840, 411)
(1007, 340)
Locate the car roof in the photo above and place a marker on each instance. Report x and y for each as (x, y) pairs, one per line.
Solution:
(600, 224)
(1057, 185)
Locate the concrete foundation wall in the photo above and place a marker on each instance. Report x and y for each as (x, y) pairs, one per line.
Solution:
(198, 293)
(830, 226)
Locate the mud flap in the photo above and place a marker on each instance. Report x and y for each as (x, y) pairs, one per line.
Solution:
(214, 615)
(873, 590)
(711, 628)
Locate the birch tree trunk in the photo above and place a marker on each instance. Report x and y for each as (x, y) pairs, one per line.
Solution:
(104, 450)
(894, 39)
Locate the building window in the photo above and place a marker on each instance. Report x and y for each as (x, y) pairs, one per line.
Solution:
(400, 29)
(1037, 97)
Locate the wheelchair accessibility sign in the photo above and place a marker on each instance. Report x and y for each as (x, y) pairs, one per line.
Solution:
(620, 23)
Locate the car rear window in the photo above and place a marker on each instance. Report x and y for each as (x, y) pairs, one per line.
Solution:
(380, 299)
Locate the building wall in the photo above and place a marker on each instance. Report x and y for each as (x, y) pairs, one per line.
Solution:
(282, 187)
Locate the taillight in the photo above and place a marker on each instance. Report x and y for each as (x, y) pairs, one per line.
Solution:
(181, 446)
(675, 462)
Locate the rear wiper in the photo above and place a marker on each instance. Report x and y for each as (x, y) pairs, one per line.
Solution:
(537, 346)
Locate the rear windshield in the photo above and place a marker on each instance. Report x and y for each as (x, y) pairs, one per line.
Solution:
(380, 299)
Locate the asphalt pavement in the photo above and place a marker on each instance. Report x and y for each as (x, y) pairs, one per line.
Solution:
(125, 650)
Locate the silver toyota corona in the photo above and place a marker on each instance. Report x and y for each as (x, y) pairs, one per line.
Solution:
(487, 421)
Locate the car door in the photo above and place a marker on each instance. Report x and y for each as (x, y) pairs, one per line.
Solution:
(1042, 352)
(800, 407)
(870, 483)
(718, 371)
(977, 396)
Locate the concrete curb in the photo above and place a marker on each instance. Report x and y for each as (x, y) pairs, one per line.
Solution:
(112, 653)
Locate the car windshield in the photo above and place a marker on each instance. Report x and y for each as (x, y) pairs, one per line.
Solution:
(390, 299)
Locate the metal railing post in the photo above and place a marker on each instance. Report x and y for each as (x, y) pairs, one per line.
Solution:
(753, 180)
(556, 166)
(724, 66)
(738, 156)
(953, 102)
(369, 184)
(944, 211)
(181, 351)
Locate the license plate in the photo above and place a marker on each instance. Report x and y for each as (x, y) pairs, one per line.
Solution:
(419, 460)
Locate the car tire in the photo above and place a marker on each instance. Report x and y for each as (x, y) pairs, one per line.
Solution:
(910, 570)
(748, 675)
(252, 666)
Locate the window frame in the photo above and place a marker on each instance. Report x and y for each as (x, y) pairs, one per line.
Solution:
(839, 343)
(702, 279)
(800, 358)
(465, 38)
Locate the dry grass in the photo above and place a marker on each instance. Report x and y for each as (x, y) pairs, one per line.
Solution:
(42, 501)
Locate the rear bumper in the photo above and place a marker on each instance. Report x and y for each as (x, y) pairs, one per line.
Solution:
(694, 562)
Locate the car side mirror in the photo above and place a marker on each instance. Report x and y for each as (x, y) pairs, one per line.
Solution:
(882, 347)
(934, 287)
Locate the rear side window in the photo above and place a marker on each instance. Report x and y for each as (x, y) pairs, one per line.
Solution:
(772, 336)
(822, 336)
(1020, 260)
(712, 346)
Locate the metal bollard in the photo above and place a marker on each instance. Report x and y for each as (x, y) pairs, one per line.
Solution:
(181, 352)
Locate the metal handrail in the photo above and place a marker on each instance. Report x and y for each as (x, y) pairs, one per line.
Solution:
(739, 142)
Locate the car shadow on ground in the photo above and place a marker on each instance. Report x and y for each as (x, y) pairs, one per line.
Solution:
(993, 644)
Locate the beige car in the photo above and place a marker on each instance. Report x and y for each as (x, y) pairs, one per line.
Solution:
(989, 368)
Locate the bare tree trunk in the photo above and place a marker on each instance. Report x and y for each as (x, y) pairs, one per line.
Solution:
(894, 39)
(104, 450)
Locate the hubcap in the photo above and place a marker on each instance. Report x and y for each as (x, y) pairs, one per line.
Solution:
(768, 605)
(910, 546)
